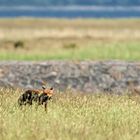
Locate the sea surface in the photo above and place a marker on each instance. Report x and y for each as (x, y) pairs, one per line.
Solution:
(71, 11)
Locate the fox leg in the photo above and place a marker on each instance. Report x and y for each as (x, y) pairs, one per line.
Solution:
(45, 105)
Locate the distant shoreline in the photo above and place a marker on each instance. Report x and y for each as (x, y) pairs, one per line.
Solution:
(74, 7)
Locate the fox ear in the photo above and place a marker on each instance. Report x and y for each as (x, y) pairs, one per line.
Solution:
(44, 83)
(43, 87)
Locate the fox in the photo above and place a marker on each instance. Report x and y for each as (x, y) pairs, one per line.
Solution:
(45, 96)
(41, 97)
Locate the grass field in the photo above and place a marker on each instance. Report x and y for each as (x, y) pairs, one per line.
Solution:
(77, 39)
(71, 117)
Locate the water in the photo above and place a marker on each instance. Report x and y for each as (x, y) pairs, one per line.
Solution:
(71, 12)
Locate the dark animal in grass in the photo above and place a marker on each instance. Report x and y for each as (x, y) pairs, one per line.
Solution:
(41, 97)
(28, 97)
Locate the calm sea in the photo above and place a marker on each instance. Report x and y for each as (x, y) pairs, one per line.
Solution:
(70, 11)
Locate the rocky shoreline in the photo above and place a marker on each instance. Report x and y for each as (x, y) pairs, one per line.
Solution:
(85, 76)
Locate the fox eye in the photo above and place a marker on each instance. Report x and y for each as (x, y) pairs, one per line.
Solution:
(51, 88)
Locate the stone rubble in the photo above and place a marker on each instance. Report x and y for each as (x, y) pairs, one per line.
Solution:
(85, 76)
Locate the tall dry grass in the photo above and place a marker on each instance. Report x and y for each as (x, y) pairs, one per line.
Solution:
(70, 116)
(125, 29)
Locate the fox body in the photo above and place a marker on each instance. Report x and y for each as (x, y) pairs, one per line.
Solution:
(29, 96)
(41, 97)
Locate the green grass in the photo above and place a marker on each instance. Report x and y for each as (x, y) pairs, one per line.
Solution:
(71, 116)
(98, 51)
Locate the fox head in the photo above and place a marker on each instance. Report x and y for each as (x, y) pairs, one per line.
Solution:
(49, 92)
